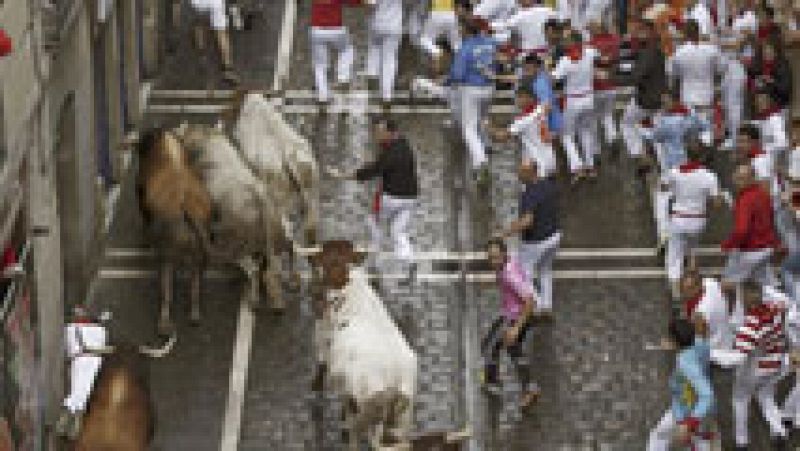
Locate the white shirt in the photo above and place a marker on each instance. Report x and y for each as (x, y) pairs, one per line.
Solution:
(494, 9)
(734, 81)
(598, 11)
(579, 74)
(691, 189)
(387, 16)
(774, 138)
(702, 15)
(714, 310)
(745, 22)
(529, 25)
(80, 336)
(529, 129)
(762, 166)
(695, 65)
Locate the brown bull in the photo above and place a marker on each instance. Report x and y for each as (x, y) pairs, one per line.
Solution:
(120, 415)
(176, 208)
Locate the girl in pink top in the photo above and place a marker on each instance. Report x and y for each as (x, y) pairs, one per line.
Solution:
(512, 325)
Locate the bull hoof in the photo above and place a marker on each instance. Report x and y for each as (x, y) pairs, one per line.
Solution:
(165, 329)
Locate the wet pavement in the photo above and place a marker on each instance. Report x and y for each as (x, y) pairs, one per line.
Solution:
(601, 390)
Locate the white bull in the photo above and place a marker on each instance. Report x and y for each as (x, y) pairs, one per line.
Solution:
(368, 359)
(247, 227)
(280, 157)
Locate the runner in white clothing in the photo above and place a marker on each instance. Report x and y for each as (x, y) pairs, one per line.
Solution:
(695, 64)
(700, 13)
(705, 304)
(385, 31)
(442, 21)
(82, 336)
(528, 23)
(576, 69)
(218, 21)
(530, 126)
(692, 186)
(495, 10)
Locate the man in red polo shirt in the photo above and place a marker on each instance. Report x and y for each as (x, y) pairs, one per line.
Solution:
(753, 239)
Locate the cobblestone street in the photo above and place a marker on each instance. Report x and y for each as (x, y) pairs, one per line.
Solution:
(601, 389)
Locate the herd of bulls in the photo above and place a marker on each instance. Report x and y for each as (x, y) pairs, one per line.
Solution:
(225, 194)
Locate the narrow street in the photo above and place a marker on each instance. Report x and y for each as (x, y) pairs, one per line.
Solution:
(601, 389)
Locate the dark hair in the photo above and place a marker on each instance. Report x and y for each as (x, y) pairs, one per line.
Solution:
(692, 30)
(649, 24)
(532, 58)
(694, 147)
(552, 24)
(497, 242)
(472, 27)
(387, 123)
(769, 11)
(525, 90)
(751, 131)
(682, 332)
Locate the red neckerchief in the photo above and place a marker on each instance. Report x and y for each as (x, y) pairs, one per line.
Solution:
(83, 321)
(575, 52)
(690, 305)
(689, 166)
(764, 312)
(755, 151)
(765, 30)
(528, 109)
(679, 110)
(768, 67)
(647, 122)
(606, 43)
(768, 113)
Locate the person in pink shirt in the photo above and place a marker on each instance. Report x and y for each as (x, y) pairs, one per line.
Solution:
(509, 330)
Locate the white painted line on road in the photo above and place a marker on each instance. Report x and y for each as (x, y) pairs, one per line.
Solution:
(285, 44)
(237, 386)
(473, 276)
(442, 255)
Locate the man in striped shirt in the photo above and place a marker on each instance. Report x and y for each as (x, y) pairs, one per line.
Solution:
(761, 345)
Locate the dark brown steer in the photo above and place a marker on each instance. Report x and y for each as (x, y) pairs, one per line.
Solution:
(120, 415)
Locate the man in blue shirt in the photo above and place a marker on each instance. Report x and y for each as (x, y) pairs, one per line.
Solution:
(471, 75)
(542, 86)
(692, 393)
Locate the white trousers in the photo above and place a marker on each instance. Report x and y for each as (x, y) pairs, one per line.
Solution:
(322, 41)
(416, 10)
(630, 126)
(440, 23)
(684, 236)
(580, 119)
(382, 60)
(475, 102)
(791, 405)
(604, 104)
(397, 212)
(82, 375)
(543, 155)
(661, 213)
(537, 258)
(733, 110)
(661, 436)
(747, 384)
(742, 265)
(215, 9)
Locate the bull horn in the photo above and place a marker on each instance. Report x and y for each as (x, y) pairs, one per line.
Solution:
(158, 353)
(457, 436)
